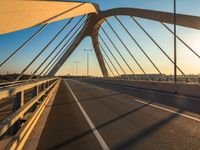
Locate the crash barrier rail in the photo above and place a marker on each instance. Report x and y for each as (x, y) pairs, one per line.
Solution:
(185, 89)
(18, 125)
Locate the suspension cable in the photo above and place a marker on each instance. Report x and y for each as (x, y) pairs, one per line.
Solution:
(118, 52)
(57, 46)
(24, 44)
(127, 49)
(19, 76)
(54, 62)
(108, 67)
(48, 55)
(136, 42)
(63, 50)
(155, 43)
(113, 56)
(109, 59)
(180, 40)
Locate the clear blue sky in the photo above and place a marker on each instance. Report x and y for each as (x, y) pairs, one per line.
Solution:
(186, 60)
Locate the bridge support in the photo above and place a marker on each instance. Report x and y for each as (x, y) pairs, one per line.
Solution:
(86, 31)
(92, 29)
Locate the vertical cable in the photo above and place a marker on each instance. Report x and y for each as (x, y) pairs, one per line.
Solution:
(127, 49)
(19, 76)
(87, 21)
(109, 67)
(62, 51)
(155, 43)
(184, 43)
(54, 62)
(118, 52)
(48, 55)
(140, 47)
(113, 56)
(24, 44)
(109, 59)
(66, 36)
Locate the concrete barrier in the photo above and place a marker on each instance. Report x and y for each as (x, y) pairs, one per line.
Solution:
(169, 87)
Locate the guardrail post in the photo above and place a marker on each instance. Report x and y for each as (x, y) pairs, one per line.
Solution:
(35, 93)
(19, 102)
(43, 86)
(36, 90)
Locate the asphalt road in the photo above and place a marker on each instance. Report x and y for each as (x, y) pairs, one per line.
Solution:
(89, 116)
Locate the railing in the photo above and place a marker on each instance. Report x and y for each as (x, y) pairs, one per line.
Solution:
(169, 78)
(15, 83)
(17, 126)
(180, 88)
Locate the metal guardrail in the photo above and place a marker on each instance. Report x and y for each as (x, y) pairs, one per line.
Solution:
(10, 91)
(184, 81)
(17, 83)
(18, 125)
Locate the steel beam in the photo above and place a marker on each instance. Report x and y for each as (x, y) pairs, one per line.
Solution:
(21, 14)
(166, 17)
(86, 31)
(92, 29)
(99, 56)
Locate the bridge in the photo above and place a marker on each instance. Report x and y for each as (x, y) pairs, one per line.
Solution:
(128, 107)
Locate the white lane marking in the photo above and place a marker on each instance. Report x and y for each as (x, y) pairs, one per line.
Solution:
(101, 141)
(162, 108)
(168, 110)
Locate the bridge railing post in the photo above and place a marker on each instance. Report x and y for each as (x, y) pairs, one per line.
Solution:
(19, 102)
(35, 93)
(48, 83)
(43, 86)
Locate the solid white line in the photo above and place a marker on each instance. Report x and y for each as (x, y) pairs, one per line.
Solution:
(169, 110)
(101, 141)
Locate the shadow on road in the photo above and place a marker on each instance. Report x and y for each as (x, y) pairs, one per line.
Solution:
(174, 100)
(129, 142)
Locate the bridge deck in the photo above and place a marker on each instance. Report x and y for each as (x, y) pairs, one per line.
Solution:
(122, 121)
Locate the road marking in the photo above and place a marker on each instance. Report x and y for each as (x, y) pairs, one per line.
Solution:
(101, 141)
(165, 109)
(168, 110)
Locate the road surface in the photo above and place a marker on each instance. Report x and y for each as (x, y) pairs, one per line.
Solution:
(89, 116)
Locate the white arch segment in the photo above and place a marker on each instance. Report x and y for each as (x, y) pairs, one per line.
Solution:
(20, 14)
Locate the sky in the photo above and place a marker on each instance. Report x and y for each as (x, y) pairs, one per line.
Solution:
(187, 61)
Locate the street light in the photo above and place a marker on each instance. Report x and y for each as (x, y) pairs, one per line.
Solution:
(76, 62)
(88, 50)
(175, 46)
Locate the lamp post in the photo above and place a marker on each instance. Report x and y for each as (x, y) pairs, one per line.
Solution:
(76, 62)
(175, 48)
(88, 50)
